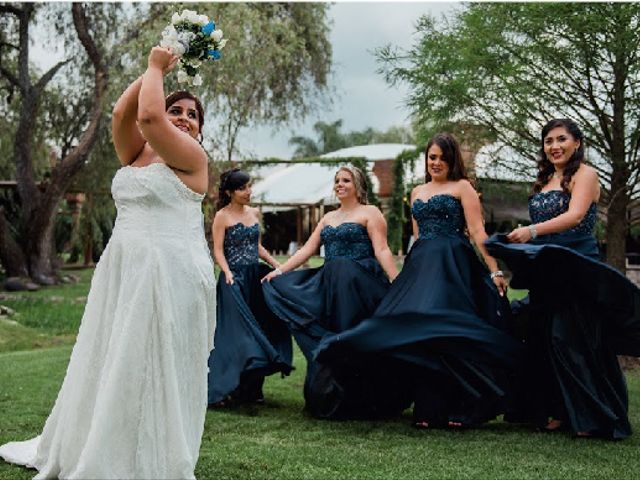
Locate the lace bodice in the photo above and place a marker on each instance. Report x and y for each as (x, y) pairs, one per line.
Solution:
(153, 203)
(440, 215)
(544, 206)
(347, 240)
(241, 244)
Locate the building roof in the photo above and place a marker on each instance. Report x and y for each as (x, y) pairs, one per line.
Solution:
(283, 187)
(299, 183)
(311, 183)
(378, 151)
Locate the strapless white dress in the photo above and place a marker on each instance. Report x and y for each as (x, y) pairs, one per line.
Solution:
(134, 398)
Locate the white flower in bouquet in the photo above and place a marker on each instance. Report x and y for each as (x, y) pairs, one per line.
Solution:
(174, 40)
(183, 77)
(216, 35)
(169, 35)
(190, 16)
(193, 38)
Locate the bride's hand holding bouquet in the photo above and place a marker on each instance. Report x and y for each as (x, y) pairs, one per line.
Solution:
(163, 58)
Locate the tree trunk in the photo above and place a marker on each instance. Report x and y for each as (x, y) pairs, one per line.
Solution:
(619, 201)
(39, 208)
(39, 238)
(617, 230)
(11, 255)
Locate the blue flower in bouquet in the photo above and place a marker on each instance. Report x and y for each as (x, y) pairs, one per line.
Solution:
(193, 38)
(208, 28)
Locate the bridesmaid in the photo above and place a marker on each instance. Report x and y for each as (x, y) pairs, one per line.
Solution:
(443, 316)
(347, 288)
(250, 342)
(581, 312)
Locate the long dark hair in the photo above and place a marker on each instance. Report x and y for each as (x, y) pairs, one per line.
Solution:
(230, 181)
(450, 153)
(546, 168)
(179, 95)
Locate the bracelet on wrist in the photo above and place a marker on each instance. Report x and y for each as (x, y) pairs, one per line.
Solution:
(533, 231)
(277, 271)
(497, 273)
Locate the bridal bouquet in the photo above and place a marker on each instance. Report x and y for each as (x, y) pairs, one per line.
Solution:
(193, 38)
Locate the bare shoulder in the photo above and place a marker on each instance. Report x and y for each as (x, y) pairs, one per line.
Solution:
(326, 218)
(418, 190)
(371, 211)
(465, 185)
(586, 173)
(255, 211)
(221, 217)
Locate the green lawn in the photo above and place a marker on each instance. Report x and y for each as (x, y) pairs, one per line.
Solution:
(278, 441)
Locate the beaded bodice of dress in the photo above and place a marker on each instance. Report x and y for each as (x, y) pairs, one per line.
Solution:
(241, 244)
(544, 206)
(347, 240)
(440, 215)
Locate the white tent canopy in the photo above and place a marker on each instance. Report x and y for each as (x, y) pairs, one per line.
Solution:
(312, 183)
(300, 183)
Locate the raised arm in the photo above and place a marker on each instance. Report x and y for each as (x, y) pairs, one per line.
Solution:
(473, 217)
(308, 249)
(585, 191)
(377, 230)
(217, 233)
(125, 133)
(178, 149)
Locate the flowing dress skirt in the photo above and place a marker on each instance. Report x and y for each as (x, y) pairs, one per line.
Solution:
(320, 301)
(579, 314)
(133, 400)
(444, 321)
(251, 342)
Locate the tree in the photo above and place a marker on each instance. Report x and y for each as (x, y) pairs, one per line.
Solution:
(30, 252)
(61, 110)
(510, 67)
(274, 68)
(330, 138)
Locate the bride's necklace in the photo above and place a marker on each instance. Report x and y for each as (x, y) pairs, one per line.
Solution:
(557, 175)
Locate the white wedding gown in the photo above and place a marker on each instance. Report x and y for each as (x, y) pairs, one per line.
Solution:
(133, 402)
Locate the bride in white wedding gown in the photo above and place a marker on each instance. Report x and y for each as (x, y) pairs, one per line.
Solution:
(133, 402)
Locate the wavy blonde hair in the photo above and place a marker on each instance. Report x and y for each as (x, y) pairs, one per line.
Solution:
(359, 180)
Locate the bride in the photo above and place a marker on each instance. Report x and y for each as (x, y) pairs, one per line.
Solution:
(133, 402)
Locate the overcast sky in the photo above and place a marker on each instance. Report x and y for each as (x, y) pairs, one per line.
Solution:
(363, 99)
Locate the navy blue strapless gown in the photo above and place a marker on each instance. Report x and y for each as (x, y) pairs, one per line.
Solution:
(250, 342)
(443, 320)
(579, 314)
(316, 302)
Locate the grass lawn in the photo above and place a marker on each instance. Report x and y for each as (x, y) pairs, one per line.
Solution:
(278, 441)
